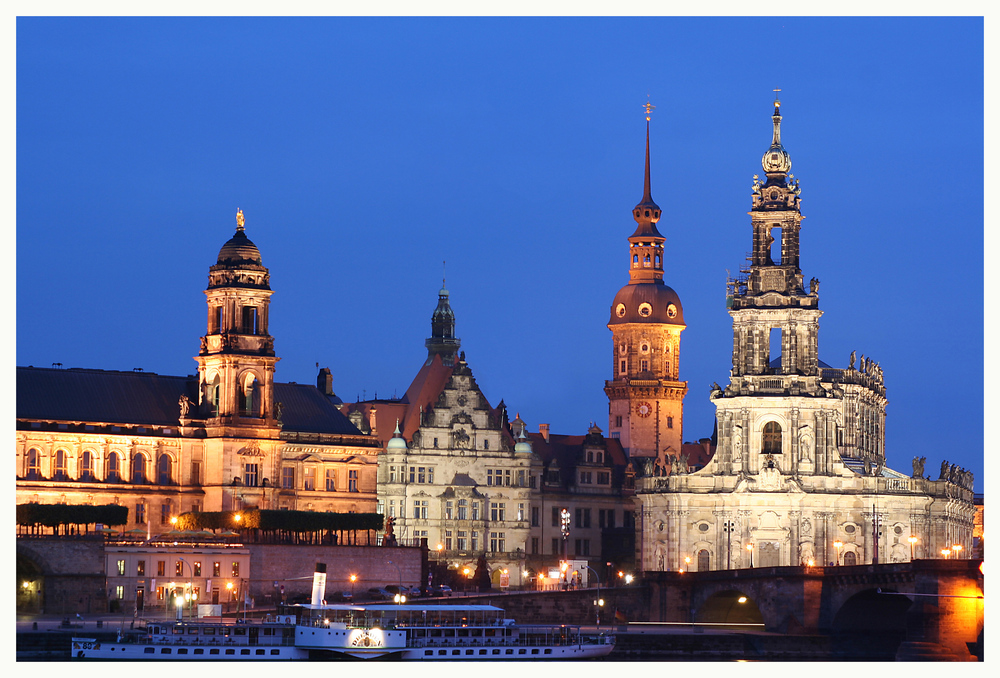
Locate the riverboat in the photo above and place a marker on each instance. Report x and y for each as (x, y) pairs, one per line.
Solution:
(329, 632)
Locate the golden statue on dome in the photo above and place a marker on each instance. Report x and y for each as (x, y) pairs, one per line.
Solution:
(239, 219)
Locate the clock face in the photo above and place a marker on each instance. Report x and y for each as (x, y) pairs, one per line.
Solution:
(644, 409)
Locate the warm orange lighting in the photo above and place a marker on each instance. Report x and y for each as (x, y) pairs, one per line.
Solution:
(957, 548)
(229, 585)
(173, 520)
(912, 540)
(620, 574)
(741, 599)
(354, 578)
(564, 566)
(945, 552)
(687, 560)
(749, 547)
(440, 546)
(811, 562)
(237, 517)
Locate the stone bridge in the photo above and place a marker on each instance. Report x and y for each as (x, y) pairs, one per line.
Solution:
(935, 602)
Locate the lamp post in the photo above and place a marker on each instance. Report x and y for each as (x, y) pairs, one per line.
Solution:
(354, 578)
(946, 553)
(564, 529)
(839, 545)
(191, 584)
(728, 526)
(399, 598)
(957, 549)
(913, 540)
(599, 602)
(750, 551)
(687, 563)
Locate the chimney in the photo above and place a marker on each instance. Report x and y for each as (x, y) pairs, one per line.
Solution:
(544, 430)
(324, 381)
(319, 584)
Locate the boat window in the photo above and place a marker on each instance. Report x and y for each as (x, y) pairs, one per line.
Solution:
(509, 652)
(275, 651)
(193, 631)
(428, 653)
(496, 651)
(456, 652)
(259, 652)
(178, 630)
(521, 651)
(214, 651)
(239, 632)
(268, 632)
(230, 651)
(469, 651)
(208, 631)
(199, 650)
(482, 652)
(548, 650)
(182, 650)
(246, 651)
(164, 650)
(442, 651)
(150, 650)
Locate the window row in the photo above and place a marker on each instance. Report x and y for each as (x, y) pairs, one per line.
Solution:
(90, 468)
(309, 474)
(463, 540)
(417, 474)
(181, 568)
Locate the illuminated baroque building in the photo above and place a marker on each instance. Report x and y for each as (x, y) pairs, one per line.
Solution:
(799, 463)
(227, 438)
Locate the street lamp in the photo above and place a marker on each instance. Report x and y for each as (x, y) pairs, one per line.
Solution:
(839, 544)
(728, 527)
(913, 540)
(957, 548)
(354, 578)
(946, 553)
(599, 602)
(399, 598)
(191, 584)
(687, 563)
(750, 551)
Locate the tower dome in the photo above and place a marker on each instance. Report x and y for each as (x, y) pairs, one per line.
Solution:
(523, 445)
(239, 249)
(396, 443)
(776, 159)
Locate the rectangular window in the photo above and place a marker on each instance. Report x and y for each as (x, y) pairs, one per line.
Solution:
(498, 542)
(310, 480)
(447, 540)
(555, 546)
(579, 518)
(420, 509)
(402, 509)
(601, 518)
(462, 510)
(159, 593)
(421, 475)
(250, 320)
(489, 476)
(236, 568)
(578, 547)
(392, 508)
(621, 367)
(392, 474)
(611, 518)
(590, 456)
(531, 481)
(164, 514)
(461, 540)
(140, 568)
(475, 510)
(196, 473)
(600, 457)
(331, 480)
(413, 474)
(250, 473)
(475, 540)
(586, 478)
(555, 516)
(534, 546)
(161, 568)
(140, 513)
(520, 512)
(586, 518)
(119, 592)
(534, 516)
(586, 547)
(520, 478)
(552, 476)
(618, 421)
(629, 519)
(215, 313)
(670, 422)
(447, 510)
(644, 365)
(288, 477)
(121, 568)
(179, 568)
(352, 481)
(603, 478)
(430, 475)
(197, 569)
(216, 569)
(506, 477)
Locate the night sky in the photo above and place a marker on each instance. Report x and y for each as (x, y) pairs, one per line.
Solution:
(364, 152)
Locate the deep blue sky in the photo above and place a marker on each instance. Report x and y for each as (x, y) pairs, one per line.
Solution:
(364, 152)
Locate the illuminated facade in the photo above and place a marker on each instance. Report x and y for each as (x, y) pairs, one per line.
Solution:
(646, 409)
(799, 464)
(227, 438)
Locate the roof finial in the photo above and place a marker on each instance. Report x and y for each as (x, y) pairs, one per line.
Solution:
(777, 103)
(646, 192)
(443, 272)
(239, 219)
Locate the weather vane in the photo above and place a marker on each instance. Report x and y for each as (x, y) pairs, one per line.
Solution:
(777, 102)
(443, 272)
(239, 218)
(649, 107)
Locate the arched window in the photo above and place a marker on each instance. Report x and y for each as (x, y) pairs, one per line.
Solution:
(61, 471)
(850, 558)
(772, 438)
(113, 472)
(215, 396)
(138, 468)
(635, 258)
(33, 469)
(163, 475)
(249, 398)
(703, 565)
(87, 466)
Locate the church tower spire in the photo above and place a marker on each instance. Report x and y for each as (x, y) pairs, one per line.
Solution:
(443, 341)
(646, 398)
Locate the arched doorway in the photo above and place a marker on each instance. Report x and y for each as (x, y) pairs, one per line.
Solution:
(850, 558)
(703, 560)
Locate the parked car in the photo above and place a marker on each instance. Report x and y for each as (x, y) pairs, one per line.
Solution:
(340, 597)
(379, 593)
(443, 590)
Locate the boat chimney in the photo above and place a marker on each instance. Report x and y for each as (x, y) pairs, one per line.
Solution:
(319, 584)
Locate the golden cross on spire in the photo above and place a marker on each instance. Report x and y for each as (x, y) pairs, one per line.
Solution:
(776, 101)
(649, 107)
(239, 218)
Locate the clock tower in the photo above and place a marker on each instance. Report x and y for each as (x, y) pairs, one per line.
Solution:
(646, 400)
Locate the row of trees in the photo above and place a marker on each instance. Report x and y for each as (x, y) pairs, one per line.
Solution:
(63, 517)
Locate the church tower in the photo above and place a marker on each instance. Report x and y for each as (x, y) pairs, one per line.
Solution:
(443, 341)
(236, 361)
(646, 400)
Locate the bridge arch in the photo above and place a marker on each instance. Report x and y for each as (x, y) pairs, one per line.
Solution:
(868, 610)
(729, 607)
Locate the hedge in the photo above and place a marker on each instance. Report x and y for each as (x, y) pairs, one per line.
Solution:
(290, 521)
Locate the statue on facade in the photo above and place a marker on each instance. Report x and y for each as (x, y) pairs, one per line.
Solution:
(278, 411)
(918, 467)
(682, 463)
(185, 405)
(390, 535)
(814, 286)
(944, 470)
(851, 366)
(716, 390)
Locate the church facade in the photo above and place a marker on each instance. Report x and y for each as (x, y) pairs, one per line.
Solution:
(227, 438)
(798, 473)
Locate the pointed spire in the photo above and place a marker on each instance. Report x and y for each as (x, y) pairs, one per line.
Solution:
(646, 192)
(776, 161)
